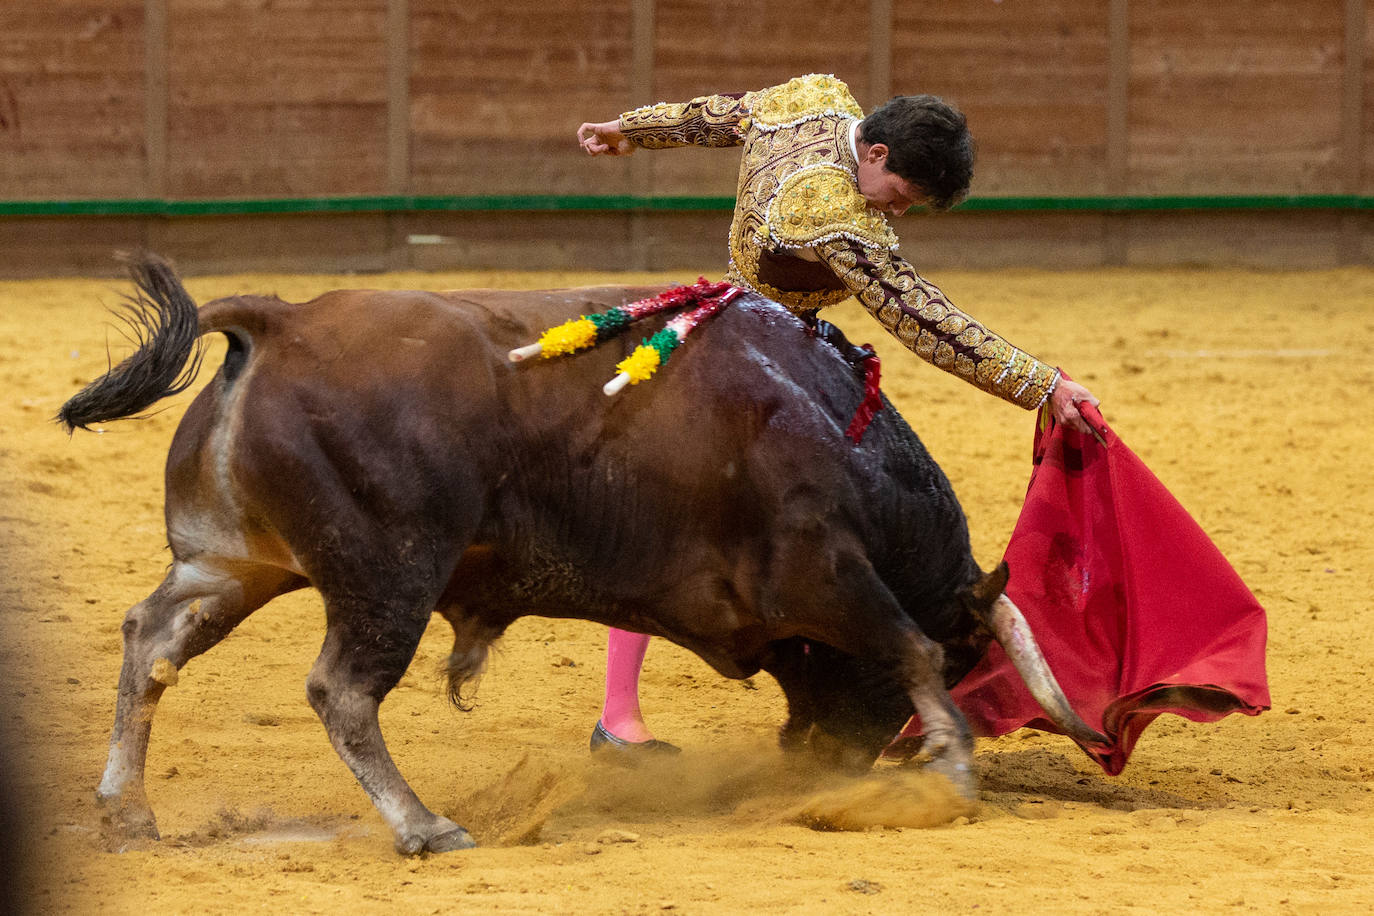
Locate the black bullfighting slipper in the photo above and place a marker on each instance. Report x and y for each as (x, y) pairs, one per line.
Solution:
(603, 742)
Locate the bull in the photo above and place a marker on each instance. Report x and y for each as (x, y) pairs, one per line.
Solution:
(381, 448)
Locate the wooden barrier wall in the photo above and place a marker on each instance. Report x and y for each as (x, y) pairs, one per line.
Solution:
(139, 100)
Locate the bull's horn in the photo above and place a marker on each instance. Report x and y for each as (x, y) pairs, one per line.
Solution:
(1010, 629)
(520, 354)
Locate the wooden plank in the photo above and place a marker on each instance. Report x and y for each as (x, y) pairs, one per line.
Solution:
(1244, 98)
(642, 21)
(1353, 128)
(1118, 123)
(272, 100)
(321, 244)
(1118, 96)
(703, 46)
(994, 240)
(52, 247)
(1362, 228)
(155, 98)
(1277, 240)
(1361, 23)
(520, 241)
(71, 99)
(397, 123)
(1032, 78)
(879, 55)
(689, 242)
(398, 96)
(497, 95)
(642, 24)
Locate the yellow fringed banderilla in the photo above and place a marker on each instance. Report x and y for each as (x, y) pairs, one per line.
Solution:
(654, 352)
(590, 330)
(568, 337)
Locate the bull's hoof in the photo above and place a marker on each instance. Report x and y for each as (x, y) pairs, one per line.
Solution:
(904, 747)
(451, 841)
(130, 820)
(960, 774)
(618, 750)
(843, 755)
(446, 836)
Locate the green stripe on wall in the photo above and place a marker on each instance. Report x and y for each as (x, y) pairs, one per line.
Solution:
(548, 203)
(363, 204)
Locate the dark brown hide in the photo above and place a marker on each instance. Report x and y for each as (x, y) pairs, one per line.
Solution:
(380, 447)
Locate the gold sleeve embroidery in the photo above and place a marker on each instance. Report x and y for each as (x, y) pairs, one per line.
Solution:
(711, 120)
(917, 313)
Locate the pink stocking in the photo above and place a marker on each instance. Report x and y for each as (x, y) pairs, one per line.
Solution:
(620, 715)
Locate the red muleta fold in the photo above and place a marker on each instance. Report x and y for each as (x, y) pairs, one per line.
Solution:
(1136, 610)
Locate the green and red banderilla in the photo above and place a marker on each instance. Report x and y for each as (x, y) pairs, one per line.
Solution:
(590, 330)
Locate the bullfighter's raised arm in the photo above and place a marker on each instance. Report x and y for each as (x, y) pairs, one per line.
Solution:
(710, 120)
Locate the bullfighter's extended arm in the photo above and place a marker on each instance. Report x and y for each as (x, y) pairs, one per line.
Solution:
(711, 120)
(918, 314)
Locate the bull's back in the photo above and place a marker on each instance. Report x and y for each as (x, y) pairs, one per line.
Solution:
(382, 353)
(384, 370)
(406, 404)
(398, 403)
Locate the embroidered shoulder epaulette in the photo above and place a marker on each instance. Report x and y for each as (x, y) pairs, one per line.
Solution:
(802, 99)
(821, 202)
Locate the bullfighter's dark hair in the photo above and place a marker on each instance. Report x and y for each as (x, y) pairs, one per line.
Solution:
(928, 144)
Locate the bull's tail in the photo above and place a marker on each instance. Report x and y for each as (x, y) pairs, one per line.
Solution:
(989, 601)
(163, 321)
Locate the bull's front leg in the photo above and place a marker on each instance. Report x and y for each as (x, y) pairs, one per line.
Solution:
(948, 740)
(863, 618)
(363, 657)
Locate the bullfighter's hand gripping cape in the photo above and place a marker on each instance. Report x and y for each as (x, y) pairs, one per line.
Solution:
(1137, 612)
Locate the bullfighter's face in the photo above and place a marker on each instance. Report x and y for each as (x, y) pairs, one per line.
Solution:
(885, 191)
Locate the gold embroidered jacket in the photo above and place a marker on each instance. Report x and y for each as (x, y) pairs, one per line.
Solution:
(803, 235)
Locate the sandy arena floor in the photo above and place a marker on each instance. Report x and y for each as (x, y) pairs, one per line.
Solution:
(1248, 394)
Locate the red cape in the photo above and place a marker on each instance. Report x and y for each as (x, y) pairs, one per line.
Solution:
(1136, 610)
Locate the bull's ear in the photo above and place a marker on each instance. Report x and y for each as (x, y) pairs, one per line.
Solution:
(986, 590)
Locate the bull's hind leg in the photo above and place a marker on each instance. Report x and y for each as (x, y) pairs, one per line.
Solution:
(367, 647)
(193, 609)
